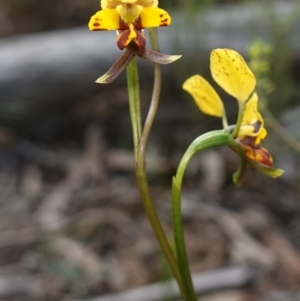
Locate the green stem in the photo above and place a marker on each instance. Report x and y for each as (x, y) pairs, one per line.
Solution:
(224, 120)
(240, 119)
(242, 107)
(134, 103)
(140, 142)
(155, 96)
(205, 141)
(238, 176)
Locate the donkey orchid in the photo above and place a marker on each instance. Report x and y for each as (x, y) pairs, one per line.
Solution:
(231, 72)
(129, 18)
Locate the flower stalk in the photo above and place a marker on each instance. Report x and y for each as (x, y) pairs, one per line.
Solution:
(134, 103)
(203, 142)
(140, 139)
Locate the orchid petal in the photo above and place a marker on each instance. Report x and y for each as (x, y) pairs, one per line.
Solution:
(106, 19)
(267, 170)
(153, 17)
(231, 72)
(204, 95)
(252, 122)
(154, 56)
(121, 63)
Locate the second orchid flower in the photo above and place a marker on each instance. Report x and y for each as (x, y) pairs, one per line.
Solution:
(231, 72)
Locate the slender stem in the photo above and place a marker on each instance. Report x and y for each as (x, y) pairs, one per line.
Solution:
(240, 119)
(242, 107)
(182, 257)
(205, 141)
(154, 221)
(140, 141)
(155, 95)
(224, 120)
(238, 176)
(134, 97)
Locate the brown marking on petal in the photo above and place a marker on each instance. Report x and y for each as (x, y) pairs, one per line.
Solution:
(97, 19)
(138, 23)
(98, 29)
(260, 155)
(137, 43)
(122, 25)
(248, 141)
(140, 40)
(123, 39)
(164, 23)
(96, 24)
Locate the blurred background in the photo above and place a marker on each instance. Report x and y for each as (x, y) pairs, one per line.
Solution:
(72, 226)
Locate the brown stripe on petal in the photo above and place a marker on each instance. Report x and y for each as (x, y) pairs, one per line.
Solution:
(248, 140)
(260, 155)
(97, 26)
(131, 36)
(123, 39)
(122, 25)
(140, 40)
(164, 22)
(138, 23)
(165, 19)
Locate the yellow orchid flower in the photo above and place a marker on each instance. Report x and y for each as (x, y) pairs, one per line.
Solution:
(231, 72)
(252, 132)
(129, 18)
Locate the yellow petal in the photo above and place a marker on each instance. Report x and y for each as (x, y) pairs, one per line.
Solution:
(115, 3)
(153, 17)
(106, 19)
(230, 71)
(204, 95)
(261, 136)
(252, 122)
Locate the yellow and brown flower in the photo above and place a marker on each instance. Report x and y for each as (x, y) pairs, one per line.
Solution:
(129, 18)
(231, 72)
